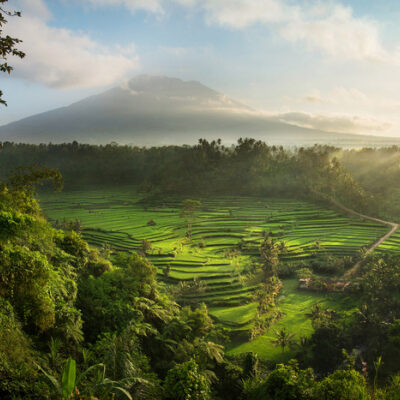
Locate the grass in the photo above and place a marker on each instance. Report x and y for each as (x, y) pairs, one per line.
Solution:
(120, 218)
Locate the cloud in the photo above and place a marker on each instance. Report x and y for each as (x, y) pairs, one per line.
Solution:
(174, 51)
(62, 58)
(154, 6)
(337, 33)
(33, 8)
(339, 96)
(326, 26)
(243, 13)
(335, 123)
(344, 99)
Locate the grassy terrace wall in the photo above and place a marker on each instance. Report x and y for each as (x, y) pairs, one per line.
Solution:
(120, 218)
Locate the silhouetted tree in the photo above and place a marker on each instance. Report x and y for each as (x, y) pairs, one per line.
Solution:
(7, 44)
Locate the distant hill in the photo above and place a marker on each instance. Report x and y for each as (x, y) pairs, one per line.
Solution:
(152, 110)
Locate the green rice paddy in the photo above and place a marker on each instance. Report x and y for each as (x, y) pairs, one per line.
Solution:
(294, 304)
(392, 244)
(121, 218)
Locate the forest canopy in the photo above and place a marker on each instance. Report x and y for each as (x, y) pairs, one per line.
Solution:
(250, 167)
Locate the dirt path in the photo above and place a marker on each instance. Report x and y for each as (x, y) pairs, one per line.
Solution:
(352, 271)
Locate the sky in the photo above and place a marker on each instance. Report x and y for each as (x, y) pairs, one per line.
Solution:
(326, 64)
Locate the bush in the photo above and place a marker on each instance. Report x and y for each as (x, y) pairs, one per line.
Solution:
(343, 385)
(185, 382)
(18, 373)
(392, 391)
(286, 270)
(286, 382)
(304, 273)
(230, 380)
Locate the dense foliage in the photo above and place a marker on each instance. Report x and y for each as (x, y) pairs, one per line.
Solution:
(250, 167)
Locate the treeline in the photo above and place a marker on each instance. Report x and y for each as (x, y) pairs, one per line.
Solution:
(249, 168)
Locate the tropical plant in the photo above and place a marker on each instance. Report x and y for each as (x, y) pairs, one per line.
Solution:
(270, 251)
(316, 312)
(283, 339)
(185, 382)
(67, 384)
(342, 384)
(285, 382)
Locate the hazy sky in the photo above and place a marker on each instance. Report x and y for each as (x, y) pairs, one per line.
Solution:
(333, 65)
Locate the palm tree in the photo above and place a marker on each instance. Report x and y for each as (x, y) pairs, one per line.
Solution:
(153, 311)
(120, 356)
(316, 312)
(270, 251)
(208, 350)
(283, 339)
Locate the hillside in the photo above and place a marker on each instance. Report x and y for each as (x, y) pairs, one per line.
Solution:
(151, 110)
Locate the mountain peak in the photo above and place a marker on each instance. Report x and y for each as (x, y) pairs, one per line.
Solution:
(164, 85)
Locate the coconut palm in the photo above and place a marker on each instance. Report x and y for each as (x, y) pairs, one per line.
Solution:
(283, 339)
(316, 312)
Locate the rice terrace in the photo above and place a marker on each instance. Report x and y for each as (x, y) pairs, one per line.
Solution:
(215, 263)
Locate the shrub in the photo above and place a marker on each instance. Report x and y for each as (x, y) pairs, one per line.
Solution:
(286, 382)
(185, 382)
(344, 385)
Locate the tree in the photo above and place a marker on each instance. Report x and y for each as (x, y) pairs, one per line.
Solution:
(316, 312)
(146, 246)
(285, 382)
(35, 277)
(344, 385)
(188, 211)
(326, 344)
(269, 251)
(7, 44)
(250, 365)
(17, 368)
(125, 362)
(283, 339)
(185, 382)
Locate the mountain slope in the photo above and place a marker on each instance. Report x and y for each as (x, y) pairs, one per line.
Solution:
(150, 110)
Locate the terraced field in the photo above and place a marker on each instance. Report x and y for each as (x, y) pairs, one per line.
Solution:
(223, 225)
(294, 304)
(392, 244)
